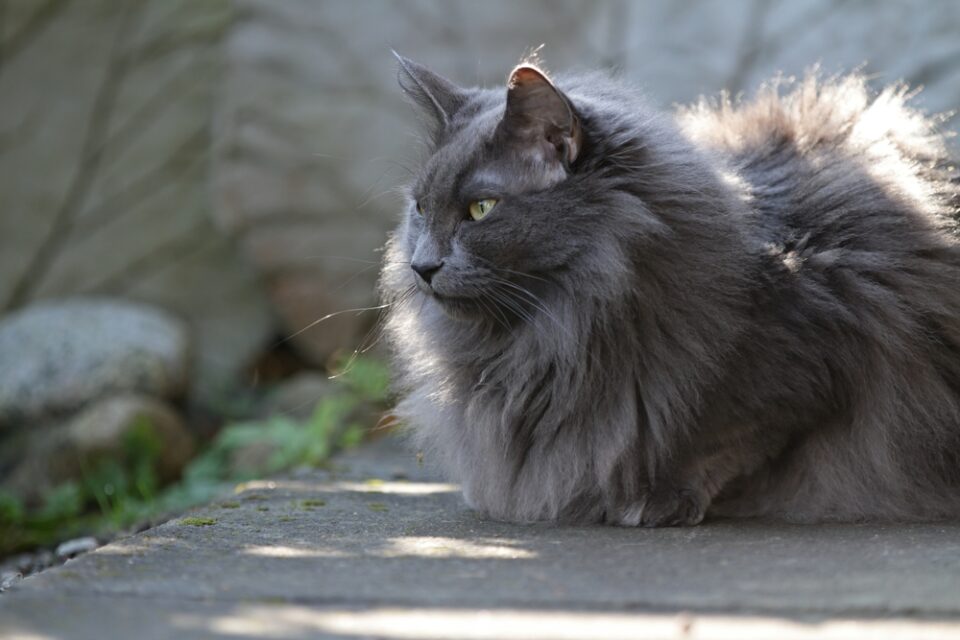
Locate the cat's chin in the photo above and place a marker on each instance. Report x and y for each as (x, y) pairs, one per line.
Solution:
(459, 309)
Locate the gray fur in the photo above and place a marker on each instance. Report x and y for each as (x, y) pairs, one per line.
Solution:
(748, 308)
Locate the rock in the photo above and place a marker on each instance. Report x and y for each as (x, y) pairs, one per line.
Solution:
(26, 564)
(61, 452)
(8, 579)
(75, 547)
(297, 397)
(100, 431)
(43, 559)
(69, 353)
(119, 205)
(23, 562)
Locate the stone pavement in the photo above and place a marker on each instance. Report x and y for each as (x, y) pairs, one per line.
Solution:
(380, 548)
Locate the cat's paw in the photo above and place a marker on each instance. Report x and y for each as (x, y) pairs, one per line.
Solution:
(668, 507)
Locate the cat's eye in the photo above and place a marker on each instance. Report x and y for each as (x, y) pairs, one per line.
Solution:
(480, 208)
(419, 208)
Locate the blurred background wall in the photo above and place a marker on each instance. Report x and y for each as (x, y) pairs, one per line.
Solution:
(234, 161)
(186, 184)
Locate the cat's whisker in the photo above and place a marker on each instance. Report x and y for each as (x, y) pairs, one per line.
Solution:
(494, 309)
(348, 258)
(498, 300)
(486, 309)
(505, 298)
(392, 161)
(358, 311)
(397, 190)
(403, 166)
(591, 355)
(534, 300)
(377, 331)
(519, 306)
(521, 274)
(372, 263)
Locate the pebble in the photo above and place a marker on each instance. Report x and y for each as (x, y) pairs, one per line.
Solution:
(75, 547)
(28, 563)
(42, 560)
(8, 579)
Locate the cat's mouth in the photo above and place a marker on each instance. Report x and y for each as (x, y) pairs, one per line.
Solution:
(447, 300)
(476, 309)
(456, 307)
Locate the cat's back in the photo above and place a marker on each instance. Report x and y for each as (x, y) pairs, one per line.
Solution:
(825, 163)
(851, 200)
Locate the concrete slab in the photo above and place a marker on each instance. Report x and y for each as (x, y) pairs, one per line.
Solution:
(382, 548)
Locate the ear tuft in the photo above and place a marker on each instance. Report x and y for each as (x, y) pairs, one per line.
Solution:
(526, 74)
(539, 119)
(433, 93)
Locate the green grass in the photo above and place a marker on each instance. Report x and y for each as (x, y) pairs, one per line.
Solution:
(116, 493)
(198, 522)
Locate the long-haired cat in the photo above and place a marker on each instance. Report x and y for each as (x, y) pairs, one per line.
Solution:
(602, 313)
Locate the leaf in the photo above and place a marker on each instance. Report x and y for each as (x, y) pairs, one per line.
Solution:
(65, 501)
(368, 377)
(12, 511)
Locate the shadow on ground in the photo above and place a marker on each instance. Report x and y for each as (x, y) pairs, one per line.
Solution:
(383, 549)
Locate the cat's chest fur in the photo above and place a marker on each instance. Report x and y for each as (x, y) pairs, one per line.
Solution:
(512, 430)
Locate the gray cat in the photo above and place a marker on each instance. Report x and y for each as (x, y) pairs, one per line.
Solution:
(602, 313)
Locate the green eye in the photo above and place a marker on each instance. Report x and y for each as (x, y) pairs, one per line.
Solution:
(481, 208)
(419, 208)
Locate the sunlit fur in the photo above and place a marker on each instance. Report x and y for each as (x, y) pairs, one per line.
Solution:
(746, 309)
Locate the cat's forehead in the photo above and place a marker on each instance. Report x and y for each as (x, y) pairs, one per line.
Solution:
(466, 146)
(472, 161)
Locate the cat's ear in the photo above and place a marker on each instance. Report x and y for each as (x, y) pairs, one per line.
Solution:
(436, 95)
(540, 118)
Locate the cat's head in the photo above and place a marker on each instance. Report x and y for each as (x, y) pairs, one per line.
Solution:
(505, 200)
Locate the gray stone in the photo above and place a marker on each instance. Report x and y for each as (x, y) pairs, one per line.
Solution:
(70, 353)
(352, 553)
(8, 579)
(42, 559)
(100, 431)
(26, 564)
(58, 453)
(75, 547)
(106, 193)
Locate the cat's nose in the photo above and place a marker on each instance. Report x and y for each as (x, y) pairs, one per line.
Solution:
(426, 270)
